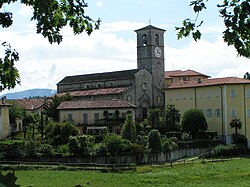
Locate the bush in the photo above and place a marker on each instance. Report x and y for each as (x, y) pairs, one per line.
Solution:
(169, 145)
(46, 150)
(239, 139)
(63, 150)
(154, 141)
(193, 121)
(59, 133)
(229, 150)
(198, 143)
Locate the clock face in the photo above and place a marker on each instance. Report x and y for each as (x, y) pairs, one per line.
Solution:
(158, 52)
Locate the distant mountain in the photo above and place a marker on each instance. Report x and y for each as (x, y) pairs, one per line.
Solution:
(30, 93)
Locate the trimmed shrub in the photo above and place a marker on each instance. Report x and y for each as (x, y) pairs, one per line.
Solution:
(239, 139)
(229, 150)
(198, 143)
(154, 141)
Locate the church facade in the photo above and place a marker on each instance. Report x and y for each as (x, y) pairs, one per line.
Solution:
(142, 87)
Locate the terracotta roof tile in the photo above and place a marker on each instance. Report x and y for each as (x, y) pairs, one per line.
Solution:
(180, 73)
(208, 82)
(30, 104)
(93, 92)
(95, 104)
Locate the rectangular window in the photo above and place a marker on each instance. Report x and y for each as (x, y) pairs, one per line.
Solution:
(209, 94)
(217, 93)
(70, 117)
(248, 93)
(217, 112)
(233, 93)
(191, 95)
(248, 113)
(209, 113)
(184, 96)
(96, 117)
(233, 113)
(200, 95)
(177, 96)
(85, 118)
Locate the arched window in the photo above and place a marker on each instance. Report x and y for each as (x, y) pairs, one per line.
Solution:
(99, 85)
(156, 39)
(144, 40)
(111, 84)
(87, 86)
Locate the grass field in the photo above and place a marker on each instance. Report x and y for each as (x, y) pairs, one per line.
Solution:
(234, 172)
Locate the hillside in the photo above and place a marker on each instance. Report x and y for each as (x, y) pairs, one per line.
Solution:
(30, 93)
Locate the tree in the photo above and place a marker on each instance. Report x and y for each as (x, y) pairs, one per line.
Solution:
(129, 129)
(236, 124)
(236, 20)
(154, 117)
(172, 117)
(193, 121)
(16, 112)
(59, 133)
(154, 141)
(247, 76)
(56, 101)
(51, 17)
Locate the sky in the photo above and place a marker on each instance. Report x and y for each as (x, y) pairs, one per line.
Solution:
(113, 46)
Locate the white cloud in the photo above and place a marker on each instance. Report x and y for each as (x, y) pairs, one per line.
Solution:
(212, 58)
(43, 65)
(99, 3)
(25, 10)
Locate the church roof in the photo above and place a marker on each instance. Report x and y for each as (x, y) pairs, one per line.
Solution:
(95, 104)
(115, 75)
(149, 27)
(93, 92)
(208, 82)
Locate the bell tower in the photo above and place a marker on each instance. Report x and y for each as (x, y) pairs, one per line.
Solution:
(150, 56)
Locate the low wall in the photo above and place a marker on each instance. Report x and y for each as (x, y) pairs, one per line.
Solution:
(154, 158)
(146, 159)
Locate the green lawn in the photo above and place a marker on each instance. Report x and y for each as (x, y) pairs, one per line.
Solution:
(228, 173)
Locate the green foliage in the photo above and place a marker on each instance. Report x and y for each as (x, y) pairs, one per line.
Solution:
(169, 144)
(234, 172)
(129, 129)
(247, 76)
(239, 140)
(198, 143)
(81, 144)
(9, 75)
(236, 20)
(226, 150)
(54, 103)
(236, 124)
(154, 117)
(172, 117)
(193, 121)
(8, 180)
(59, 133)
(115, 145)
(15, 111)
(154, 141)
(51, 17)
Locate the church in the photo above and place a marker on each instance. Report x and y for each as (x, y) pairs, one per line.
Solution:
(142, 87)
